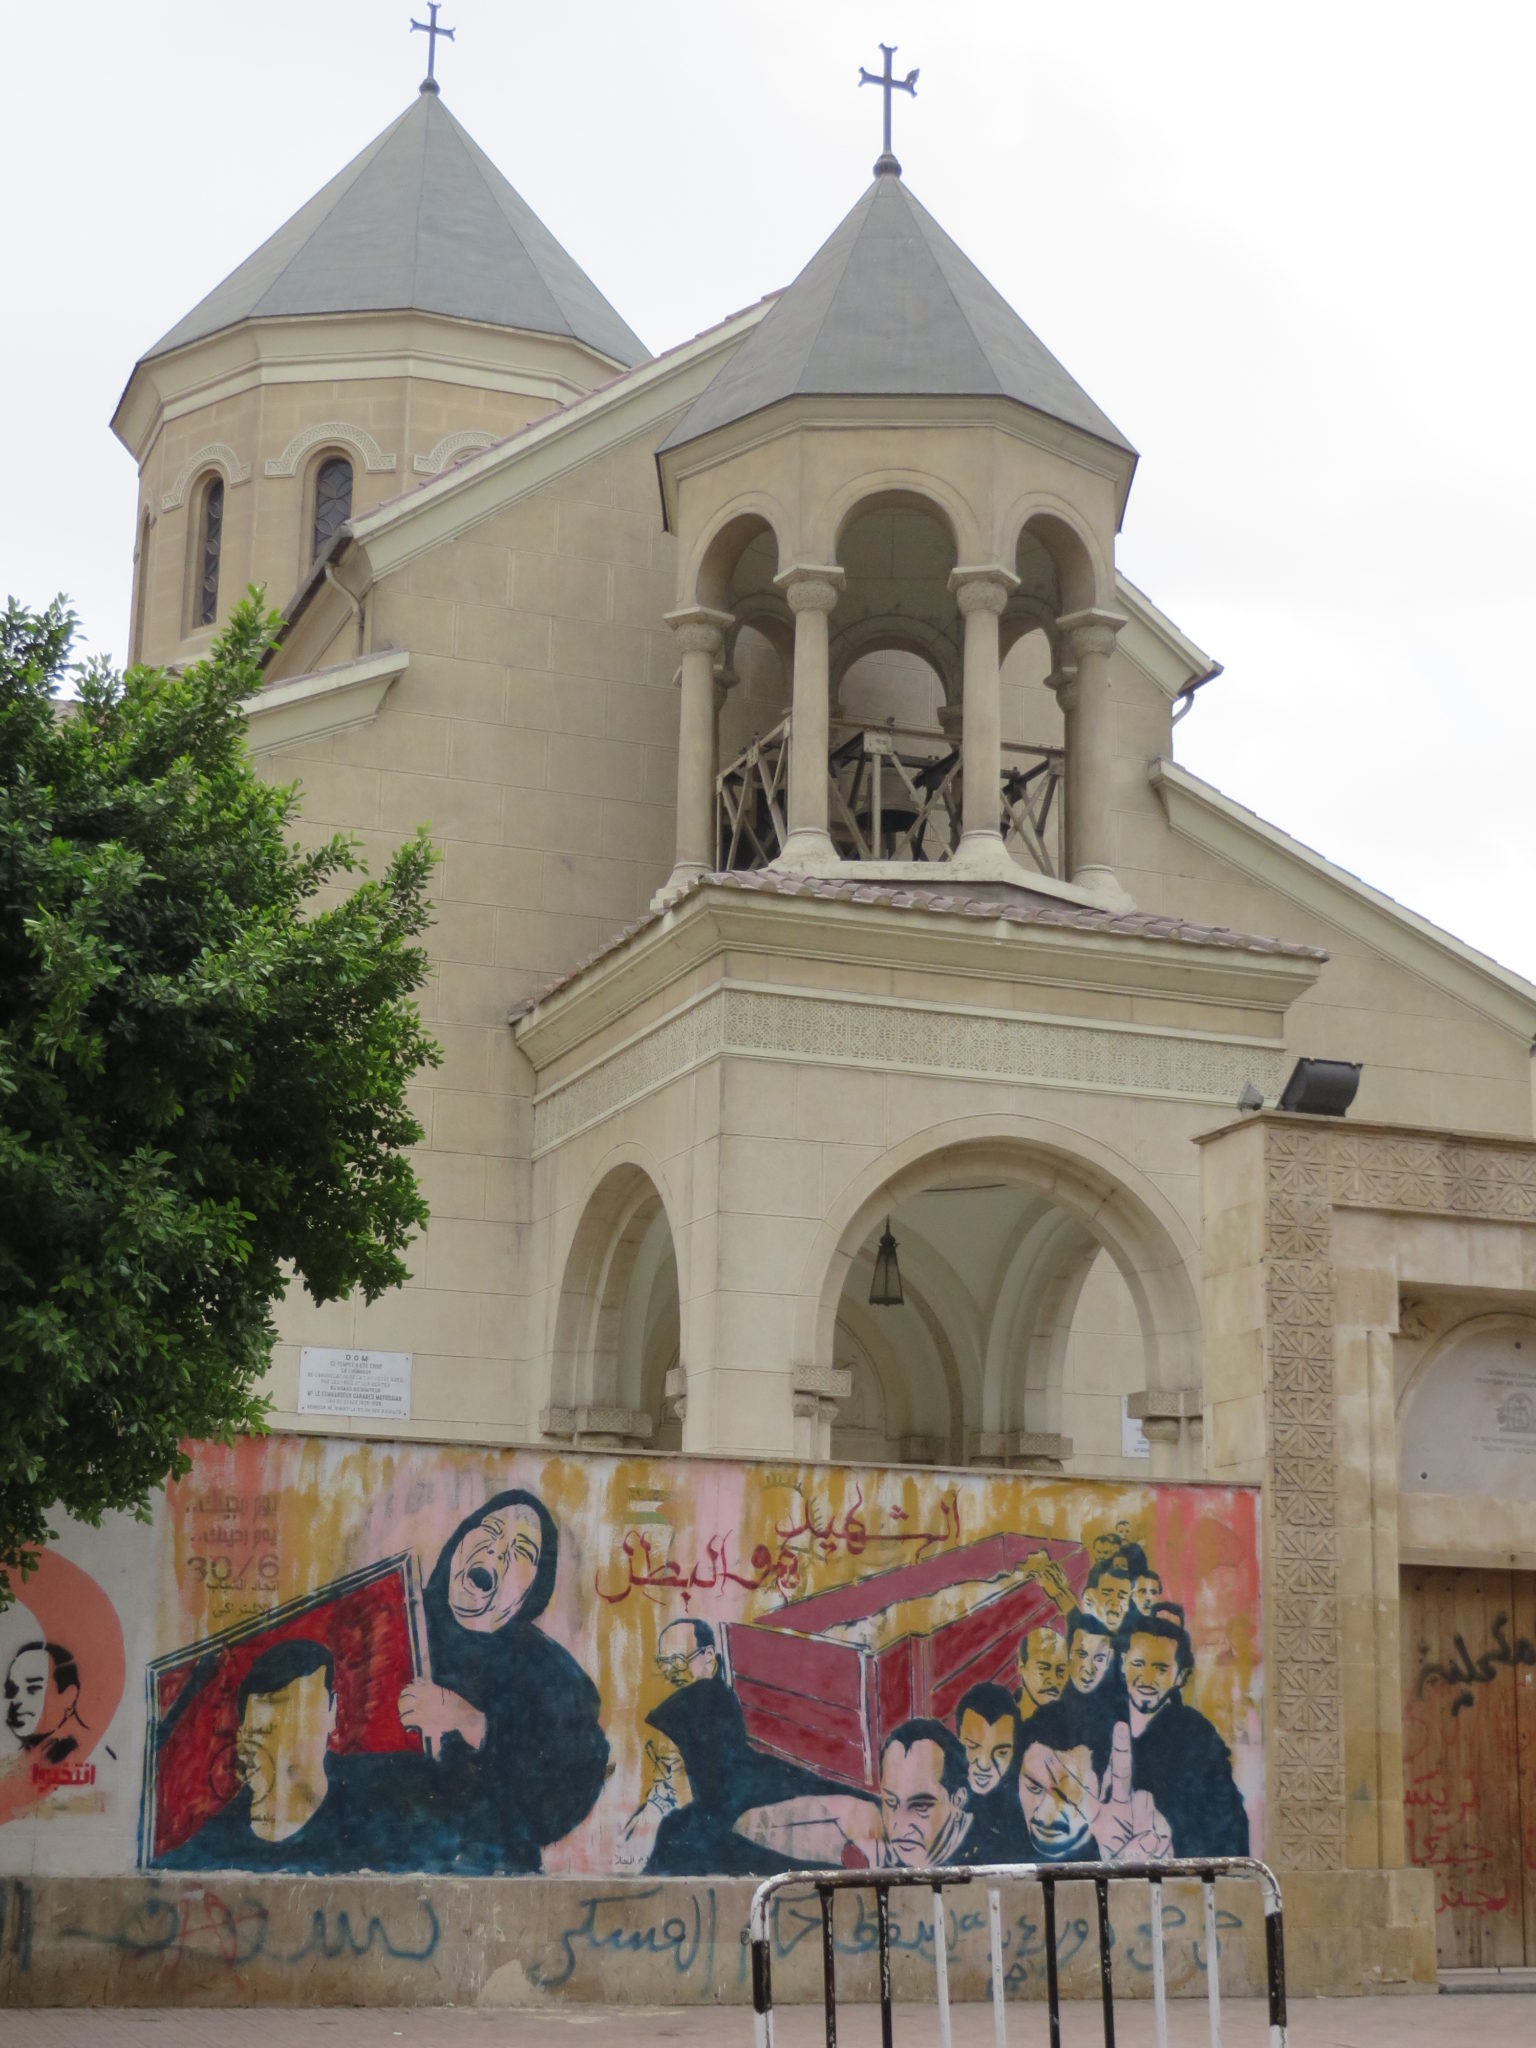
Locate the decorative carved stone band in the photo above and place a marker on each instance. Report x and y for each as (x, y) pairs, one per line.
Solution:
(597, 1427)
(1307, 1799)
(445, 453)
(967, 1045)
(212, 455)
(358, 439)
(1435, 1176)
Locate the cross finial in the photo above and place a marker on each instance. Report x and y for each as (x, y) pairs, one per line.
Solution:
(888, 84)
(431, 31)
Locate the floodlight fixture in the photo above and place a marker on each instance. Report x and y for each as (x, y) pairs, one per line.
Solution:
(1321, 1087)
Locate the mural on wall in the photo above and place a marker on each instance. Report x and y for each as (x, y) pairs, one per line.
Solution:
(426, 1658)
(61, 1651)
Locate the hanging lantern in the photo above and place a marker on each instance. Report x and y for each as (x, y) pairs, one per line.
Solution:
(885, 1290)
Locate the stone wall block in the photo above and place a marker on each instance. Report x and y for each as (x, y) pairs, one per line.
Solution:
(592, 887)
(510, 639)
(501, 754)
(449, 806)
(561, 586)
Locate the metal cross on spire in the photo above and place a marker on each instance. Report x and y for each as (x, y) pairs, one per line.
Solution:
(431, 31)
(888, 84)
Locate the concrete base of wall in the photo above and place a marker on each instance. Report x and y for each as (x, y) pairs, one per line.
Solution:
(520, 1942)
(1359, 1930)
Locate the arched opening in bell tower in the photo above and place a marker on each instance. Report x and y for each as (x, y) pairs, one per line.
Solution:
(893, 604)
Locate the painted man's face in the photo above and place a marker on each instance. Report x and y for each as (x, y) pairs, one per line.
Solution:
(34, 1703)
(494, 1564)
(915, 1810)
(1151, 1666)
(1053, 1786)
(1090, 1658)
(988, 1749)
(1103, 1548)
(681, 1659)
(1109, 1599)
(1147, 1593)
(283, 1741)
(1042, 1668)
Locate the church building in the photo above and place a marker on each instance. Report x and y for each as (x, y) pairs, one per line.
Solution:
(864, 1044)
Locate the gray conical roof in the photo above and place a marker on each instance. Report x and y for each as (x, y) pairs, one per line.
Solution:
(421, 220)
(890, 306)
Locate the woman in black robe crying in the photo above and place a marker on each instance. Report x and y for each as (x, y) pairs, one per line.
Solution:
(510, 1716)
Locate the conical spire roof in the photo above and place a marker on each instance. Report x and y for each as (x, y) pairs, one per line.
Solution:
(420, 220)
(891, 306)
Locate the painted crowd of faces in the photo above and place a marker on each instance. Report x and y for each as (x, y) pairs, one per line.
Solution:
(1093, 1754)
(463, 1737)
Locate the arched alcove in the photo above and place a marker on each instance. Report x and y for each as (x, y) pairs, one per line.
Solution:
(617, 1292)
(1467, 1418)
(740, 557)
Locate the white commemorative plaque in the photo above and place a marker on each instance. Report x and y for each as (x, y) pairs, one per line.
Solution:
(376, 1383)
(1133, 1438)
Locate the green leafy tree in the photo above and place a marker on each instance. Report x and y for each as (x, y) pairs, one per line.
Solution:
(206, 1039)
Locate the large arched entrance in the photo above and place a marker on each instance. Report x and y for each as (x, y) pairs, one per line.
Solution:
(1040, 1295)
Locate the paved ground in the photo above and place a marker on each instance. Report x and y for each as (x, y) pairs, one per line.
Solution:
(1501, 2020)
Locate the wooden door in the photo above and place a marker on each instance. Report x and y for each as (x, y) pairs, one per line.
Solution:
(1525, 1740)
(1469, 1758)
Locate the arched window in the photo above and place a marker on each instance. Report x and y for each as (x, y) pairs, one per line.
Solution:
(140, 590)
(210, 538)
(333, 500)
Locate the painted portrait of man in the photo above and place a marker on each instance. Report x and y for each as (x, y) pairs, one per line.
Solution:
(1176, 1754)
(42, 1699)
(1108, 1592)
(924, 1796)
(1042, 1668)
(991, 1734)
(300, 1807)
(1077, 1796)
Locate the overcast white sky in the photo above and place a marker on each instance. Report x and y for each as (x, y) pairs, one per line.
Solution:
(1289, 249)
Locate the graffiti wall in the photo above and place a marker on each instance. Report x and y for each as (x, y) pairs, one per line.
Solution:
(329, 1657)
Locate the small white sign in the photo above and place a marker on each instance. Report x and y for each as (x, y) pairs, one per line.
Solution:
(354, 1382)
(1133, 1438)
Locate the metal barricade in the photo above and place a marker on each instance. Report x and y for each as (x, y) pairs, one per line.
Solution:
(1205, 1870)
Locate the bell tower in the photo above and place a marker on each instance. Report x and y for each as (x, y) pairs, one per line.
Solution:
(892, 465)
(413, 312)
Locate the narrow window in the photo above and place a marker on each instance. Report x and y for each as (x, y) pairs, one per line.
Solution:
(333, 500)
(141, 591)
(208, 552)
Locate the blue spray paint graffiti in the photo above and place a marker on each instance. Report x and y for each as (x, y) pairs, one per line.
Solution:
(203, 1925)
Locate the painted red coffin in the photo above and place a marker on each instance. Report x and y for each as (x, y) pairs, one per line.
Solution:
(814, 1696)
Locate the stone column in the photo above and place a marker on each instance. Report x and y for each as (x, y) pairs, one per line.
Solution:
(819, 1392)
(726, 680)
(981, 595)
(1062, 683)
(1088, 639)
(701, 636)
(811, 594)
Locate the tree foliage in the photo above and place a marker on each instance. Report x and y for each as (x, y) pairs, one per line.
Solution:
(206, 1039)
